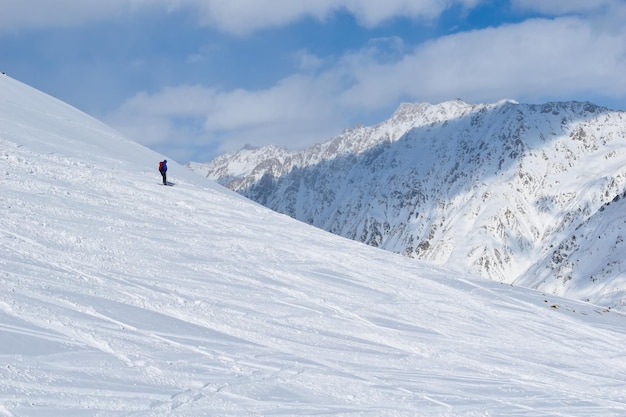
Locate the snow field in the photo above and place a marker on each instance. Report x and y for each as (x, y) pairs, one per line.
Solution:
(122, 297)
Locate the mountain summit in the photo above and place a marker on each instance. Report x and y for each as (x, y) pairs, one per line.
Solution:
(124, 298)
(514, 192)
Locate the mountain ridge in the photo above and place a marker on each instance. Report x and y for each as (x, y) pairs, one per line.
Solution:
(420, 181)
(124, 298)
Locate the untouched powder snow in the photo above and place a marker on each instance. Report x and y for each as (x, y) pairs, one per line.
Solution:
(122, 297)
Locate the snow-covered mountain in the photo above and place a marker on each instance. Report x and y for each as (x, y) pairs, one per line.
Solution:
(513, 192)
(124, 298)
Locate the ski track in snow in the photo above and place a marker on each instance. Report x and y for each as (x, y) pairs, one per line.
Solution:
(124, 298)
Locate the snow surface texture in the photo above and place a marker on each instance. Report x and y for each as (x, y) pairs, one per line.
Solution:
(512, 192)
(121, 297)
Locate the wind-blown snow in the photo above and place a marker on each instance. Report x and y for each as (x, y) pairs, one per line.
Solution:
(512, 192)
(122, 297)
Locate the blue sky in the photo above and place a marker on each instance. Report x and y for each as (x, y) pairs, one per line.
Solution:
(195, 78)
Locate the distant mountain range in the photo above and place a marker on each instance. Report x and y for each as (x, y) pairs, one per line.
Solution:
(531, 195)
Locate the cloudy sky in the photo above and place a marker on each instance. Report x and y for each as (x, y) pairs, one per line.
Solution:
(195, 78)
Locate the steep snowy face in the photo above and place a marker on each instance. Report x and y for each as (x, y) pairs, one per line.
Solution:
(497, 189)
(121, 297)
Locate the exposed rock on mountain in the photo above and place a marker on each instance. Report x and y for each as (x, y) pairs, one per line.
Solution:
(523, 194)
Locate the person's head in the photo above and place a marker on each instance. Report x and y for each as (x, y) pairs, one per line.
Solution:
(165, 160)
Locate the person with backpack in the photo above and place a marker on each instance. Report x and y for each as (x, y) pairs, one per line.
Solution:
(163, 170)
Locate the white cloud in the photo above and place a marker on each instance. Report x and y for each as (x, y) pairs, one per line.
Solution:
(372, 13)
(307, 61)
(555, 59)
(183, 101)
(538, 58)
(28, 14)
(295, 112)
(562, 7)
(246, 16)
(239, 17)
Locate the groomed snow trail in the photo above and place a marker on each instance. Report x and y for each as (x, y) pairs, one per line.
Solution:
(122, 297)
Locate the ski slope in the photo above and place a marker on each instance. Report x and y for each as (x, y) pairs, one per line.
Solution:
(121, 297)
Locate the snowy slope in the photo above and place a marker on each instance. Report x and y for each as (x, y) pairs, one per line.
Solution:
(122, 297)
(495, 189)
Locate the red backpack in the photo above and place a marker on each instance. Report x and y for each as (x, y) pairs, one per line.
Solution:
(160, 166)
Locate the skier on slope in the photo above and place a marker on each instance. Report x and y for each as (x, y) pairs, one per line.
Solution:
(163, 170)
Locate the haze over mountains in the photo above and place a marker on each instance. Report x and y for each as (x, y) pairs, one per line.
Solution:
(530, 195)
(124, 298)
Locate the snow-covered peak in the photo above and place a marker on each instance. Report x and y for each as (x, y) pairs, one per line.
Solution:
(490, 188)
(124, 298)
(426, 113)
